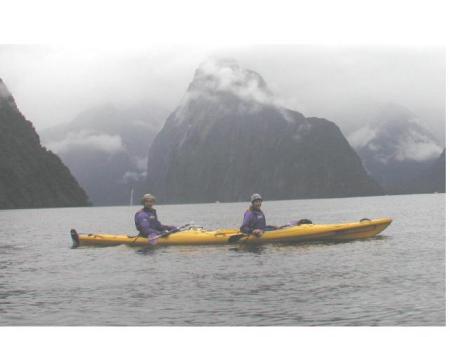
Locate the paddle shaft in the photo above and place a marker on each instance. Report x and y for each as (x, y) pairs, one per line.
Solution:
(170, 232)
(237, 237)
(164, 234)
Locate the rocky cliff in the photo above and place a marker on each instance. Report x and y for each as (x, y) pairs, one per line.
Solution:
(30, 175)
(230, 138)
(430, 180)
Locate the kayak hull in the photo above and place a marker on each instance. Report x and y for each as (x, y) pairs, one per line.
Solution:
(196, 236)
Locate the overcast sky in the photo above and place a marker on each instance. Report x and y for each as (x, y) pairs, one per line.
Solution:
(51, 84)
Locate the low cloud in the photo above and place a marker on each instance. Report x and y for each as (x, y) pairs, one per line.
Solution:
(227, 75)
(362, 137)
(342, 84)
(138, 174)
(216, 76)
(417, 147)
(393, 142)
(88, 140)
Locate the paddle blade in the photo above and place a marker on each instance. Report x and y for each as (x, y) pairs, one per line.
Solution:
(236, 238)
(75, 238)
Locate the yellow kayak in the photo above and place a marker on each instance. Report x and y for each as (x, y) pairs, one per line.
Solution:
(365, 228)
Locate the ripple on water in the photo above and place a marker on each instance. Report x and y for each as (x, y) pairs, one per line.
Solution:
(397, 278)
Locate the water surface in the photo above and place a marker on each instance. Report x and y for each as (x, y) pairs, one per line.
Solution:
(396, 278)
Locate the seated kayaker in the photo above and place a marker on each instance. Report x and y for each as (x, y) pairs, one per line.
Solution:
(254, 219)
(147, 222)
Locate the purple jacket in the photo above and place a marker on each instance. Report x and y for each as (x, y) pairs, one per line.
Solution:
(147, 222)
(253, 219)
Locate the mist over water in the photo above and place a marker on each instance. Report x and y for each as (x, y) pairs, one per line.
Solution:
(394, 279)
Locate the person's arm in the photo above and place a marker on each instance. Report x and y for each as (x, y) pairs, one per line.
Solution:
(247, 223)
(159, 226)
(141, 220)
(142, 223)
(168, 227)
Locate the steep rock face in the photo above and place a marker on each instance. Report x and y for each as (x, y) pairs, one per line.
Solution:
(229, 138)
(430, 180)
(395, 148)
(30, 175)
(436, 174)
(106, 149)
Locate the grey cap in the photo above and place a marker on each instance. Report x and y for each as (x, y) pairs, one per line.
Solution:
(255, 197)
(148, 196)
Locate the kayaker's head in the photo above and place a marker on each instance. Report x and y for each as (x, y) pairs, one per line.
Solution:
(148, 200)
(256, 201)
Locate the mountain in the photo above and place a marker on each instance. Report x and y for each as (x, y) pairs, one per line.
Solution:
(106, 149)
(229, 138)
(436, 175)
(395, 148)
(30, 175)
(431, 179)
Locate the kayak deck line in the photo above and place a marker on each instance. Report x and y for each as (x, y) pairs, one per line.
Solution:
(362, 229)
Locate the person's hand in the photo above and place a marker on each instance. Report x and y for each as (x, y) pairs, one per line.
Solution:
(258, 232)
(151, 239)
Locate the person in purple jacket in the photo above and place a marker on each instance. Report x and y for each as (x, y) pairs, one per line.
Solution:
(147, 222)
(254, 220)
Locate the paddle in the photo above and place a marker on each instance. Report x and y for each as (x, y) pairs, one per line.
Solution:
(235, 238)
(168, 233)
(165, 234)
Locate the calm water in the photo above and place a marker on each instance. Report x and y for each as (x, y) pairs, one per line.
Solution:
(397, 278)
